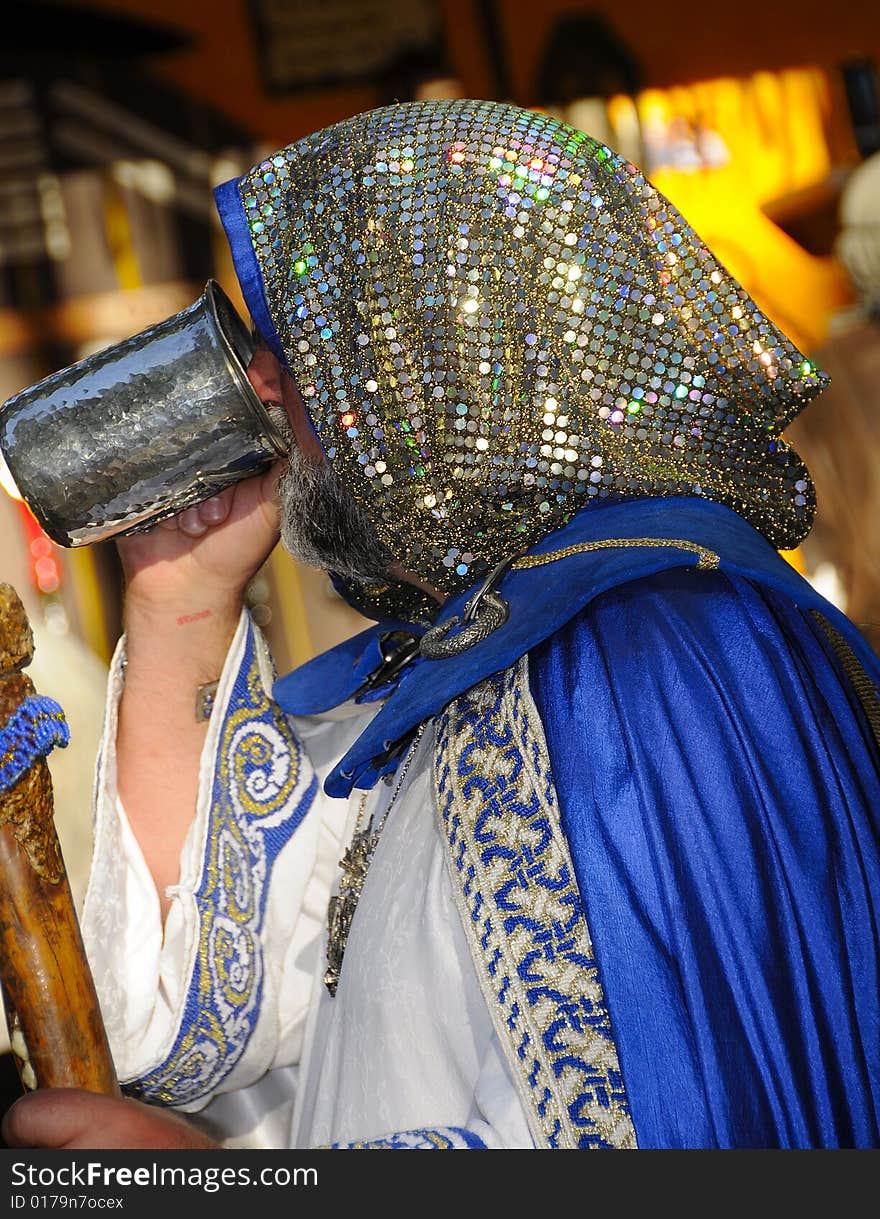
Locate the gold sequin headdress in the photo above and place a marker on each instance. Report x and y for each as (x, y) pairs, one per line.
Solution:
(495, 321)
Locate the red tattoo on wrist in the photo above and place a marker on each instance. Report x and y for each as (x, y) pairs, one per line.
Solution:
(185, 618)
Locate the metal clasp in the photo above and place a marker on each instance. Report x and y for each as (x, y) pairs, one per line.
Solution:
(394, 659)
(487, 589)
(484, 613)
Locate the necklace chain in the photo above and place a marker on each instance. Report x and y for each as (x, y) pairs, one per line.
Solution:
(355, 864)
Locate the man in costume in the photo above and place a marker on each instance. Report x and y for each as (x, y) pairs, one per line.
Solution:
(602, 779)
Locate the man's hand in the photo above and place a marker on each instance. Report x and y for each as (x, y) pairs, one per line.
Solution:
(208, 551)
(69, 1118)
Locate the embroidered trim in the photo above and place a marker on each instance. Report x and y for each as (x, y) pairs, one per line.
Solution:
(523, 916)
(444, 1138)
(31, 732)
(259, 797)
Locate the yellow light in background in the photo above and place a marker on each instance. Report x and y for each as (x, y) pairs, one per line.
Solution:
(623, 116)
(119, 235)
(796, 559)
(85, 588)
(720, 151)
(7, 482)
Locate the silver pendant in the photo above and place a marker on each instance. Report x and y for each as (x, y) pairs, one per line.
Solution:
(340, 911)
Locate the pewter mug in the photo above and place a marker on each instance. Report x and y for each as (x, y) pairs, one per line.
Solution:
(143, 429)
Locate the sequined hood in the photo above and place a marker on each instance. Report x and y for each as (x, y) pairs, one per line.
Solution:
(496, 321)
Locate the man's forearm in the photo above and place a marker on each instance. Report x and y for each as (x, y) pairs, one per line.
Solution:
(171, 651)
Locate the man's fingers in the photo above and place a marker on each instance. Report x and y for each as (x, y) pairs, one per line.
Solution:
(215, 510)
(197, 520)
(49, 1117)
(191, 523)
(72, 1118)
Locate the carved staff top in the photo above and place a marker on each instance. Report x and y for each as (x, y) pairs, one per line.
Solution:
(31, 726)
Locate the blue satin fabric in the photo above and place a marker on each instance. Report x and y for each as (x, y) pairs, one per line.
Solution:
(542, 600)
(718, 785)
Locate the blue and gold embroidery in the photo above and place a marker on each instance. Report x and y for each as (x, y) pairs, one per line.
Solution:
(523, 916)
(262, 790)
(31, 732)
(443, 1138)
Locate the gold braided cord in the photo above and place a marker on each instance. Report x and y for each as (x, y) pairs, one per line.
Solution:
(708, 559)
(866, 690)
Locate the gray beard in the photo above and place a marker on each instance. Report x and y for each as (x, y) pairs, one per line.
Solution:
(323, 526)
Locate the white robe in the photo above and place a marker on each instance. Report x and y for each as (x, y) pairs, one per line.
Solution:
(407, 1046)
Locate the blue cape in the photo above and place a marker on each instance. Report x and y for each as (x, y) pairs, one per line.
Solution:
(718, 785)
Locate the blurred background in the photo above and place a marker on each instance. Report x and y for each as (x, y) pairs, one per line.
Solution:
(760, 122)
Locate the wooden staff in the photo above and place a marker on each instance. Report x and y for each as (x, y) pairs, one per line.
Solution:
(55, 1023)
